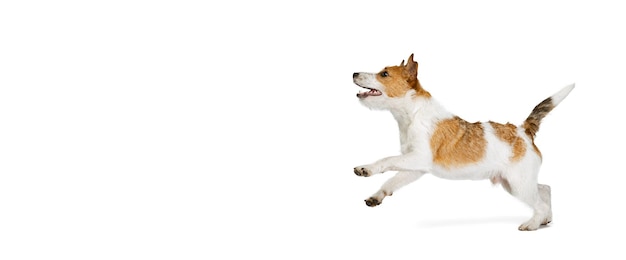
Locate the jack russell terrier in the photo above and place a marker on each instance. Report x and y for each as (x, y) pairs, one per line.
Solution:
(436, 141)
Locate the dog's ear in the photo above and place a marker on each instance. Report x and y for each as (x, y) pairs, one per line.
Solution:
(411, 66)
(402, 63)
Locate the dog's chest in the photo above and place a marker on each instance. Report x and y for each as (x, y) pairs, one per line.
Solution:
(413, 139)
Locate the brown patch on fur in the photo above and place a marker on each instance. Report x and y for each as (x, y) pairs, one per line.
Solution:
(456, 142)
(531, 125)
(395, 81)
(398, 80)
(508, 134)
(420, 92)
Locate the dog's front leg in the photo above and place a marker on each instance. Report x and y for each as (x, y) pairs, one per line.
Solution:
(396, 182)
(405, 162)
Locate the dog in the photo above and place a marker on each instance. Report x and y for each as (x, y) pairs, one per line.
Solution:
(436, 141)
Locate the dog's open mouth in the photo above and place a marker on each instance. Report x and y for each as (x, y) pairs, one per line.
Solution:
(371, 92)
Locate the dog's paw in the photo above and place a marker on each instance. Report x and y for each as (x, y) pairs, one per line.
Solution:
(529, 226)
(372, 202)
(362, 171)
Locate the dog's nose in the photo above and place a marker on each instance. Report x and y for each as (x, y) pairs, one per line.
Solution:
(356, 74)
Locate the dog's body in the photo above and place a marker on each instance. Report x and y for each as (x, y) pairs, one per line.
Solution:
(436, 141)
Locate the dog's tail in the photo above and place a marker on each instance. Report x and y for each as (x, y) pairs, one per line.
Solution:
(531, 125)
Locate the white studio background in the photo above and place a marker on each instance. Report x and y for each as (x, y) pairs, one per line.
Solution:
(229, 129)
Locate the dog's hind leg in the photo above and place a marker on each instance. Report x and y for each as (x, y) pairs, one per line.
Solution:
(524, 187)
(390, 186)
(546, 196)
(544, 193)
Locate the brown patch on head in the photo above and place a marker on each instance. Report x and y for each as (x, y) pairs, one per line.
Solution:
(398, 80)
(395, 81)
(456, 142)
(508, 134)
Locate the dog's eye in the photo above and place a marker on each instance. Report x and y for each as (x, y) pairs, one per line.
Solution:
(384, 74)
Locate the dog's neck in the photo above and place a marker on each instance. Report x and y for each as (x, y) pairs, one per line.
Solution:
(417, 115)
(413, 108)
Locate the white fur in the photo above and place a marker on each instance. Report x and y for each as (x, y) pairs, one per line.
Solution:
(559, 96)
(417, 118)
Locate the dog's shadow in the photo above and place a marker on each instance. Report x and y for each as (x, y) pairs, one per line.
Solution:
(456, 222)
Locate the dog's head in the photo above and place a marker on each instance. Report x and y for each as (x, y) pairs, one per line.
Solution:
(391, 83)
